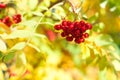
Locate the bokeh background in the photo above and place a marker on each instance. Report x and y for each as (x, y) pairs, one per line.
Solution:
(34, 50)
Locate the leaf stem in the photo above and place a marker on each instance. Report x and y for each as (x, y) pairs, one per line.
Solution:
(36, 25)
(39, 22)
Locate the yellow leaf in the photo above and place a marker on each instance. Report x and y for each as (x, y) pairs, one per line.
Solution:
(116, 65)
(6, 28)
(2, 45)
(85, 51)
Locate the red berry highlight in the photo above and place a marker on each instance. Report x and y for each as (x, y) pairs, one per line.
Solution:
(74, 30)
(17, 18)
(2, 5)
(69, 38)
(88, 26)
(9, 21)
(86, 35)
(57, 27)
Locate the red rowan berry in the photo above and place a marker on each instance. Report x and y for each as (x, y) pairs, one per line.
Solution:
(77, 33)
(74, 30)
(83, 28)
(79, 40)
(76, 24)
(64, 23)
(82, 23)
(69, 23)
(86, 35)
(2, 5)
(57, 27)
(51, 35)
(7, 21)
(17, 18)
(63, 34)
(88, 26)
(69, 38)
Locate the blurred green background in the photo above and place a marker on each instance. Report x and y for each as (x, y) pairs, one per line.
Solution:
(34, 50)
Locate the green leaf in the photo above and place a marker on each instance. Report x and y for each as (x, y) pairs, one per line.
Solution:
(48, 13)
(56, 16)
(114, 50)
(48, 23)
(1, 55)
(47, 3)
(85, 51)
(99, 27)
(3, 46)
(41, 8)
(73, 49)
(58, 10)
(21, 34)
(18, 46)
(103, 63)
(90, 60)
(29, 24)
(32, 4)
(103, 4)
(21, 59)
(9, 56)
(33, 46)
(20, 63)
(77, 60)
(103, 40)
(37, 13)
(39, 35)
(93, 18)
(116, 65)
(101, 75)
(17, 34)
(1, 75)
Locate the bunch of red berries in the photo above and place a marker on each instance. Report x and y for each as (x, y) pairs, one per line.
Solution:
(9, 21)
(74, 30)
(17, 18)
(2, 6)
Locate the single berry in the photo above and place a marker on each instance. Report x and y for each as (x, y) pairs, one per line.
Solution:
(7, 18)
(2, 5)
(71, 27)
(18, 15)
(83, 28)
(86, 35)
(82, 39)
(9, 24)
(63, 34)
(69, 38)
(69, 23)
(77, 33)
(51, 35)
(67, 32)
(82, 23)
(88, 26)
(1, 20)
(64, 28)
(64, 23)
(17, 18)
(79, 40)
(76, 23)
(7, 21)
(57, 27)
